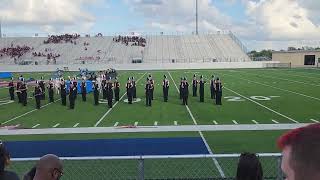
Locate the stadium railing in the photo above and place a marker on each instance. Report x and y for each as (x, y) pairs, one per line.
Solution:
(277, 65)
(219, 166)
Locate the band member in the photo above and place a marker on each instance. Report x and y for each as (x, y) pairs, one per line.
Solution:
(201, 90)
(134, 88)
(72, 94)
(212, 87)
(11, 89)
(63, 92)
(50, 91)
(37, 95)
(104, 88)
(152, 90)
(180, 87)
(18, 91)
(129, 87)
(185, 91)
(165, 88)
(116, 89)
(42, 86)
(194, 86)
(95, 87)
(148, 89)
(110, 92)
(75, 85)
(218, 88)
(57, 86)
(24, 95)
(84, 90)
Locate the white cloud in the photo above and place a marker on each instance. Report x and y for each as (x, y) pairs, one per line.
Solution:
(179, 15)
(282, 19)
(48, 15)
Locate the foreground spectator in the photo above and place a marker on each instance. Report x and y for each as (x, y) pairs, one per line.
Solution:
(30, 175)
(249, 167)
(301, 153)
(4, 162)
(49, 167)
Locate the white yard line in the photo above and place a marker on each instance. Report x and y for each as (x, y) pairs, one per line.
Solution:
(155, 123)
(4, 98)
(76, 125)
(316, 121)
(254, 121)
(2, 103)
(181, 128)
(249, 99)
(201, 134)
(116, 124)
(275, 121)
(35, 126)
(17, 117)
(58, 124)
(285, 90)
(291, 74)
(215, 122)
(101, 119)
(235, 122)
(284, 79)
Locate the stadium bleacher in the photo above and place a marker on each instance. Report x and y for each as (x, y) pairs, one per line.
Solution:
(220, 47)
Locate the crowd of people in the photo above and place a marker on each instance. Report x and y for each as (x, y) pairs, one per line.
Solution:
(48, 55)
(66, 38)
(300, 150)
(15, 51)
(130, 40)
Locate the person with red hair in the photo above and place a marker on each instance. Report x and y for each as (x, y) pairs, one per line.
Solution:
(301, 153)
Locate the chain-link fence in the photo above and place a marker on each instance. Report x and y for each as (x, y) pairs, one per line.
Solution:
(156, 167)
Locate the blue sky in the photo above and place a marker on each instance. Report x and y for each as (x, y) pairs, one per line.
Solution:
(260, 24)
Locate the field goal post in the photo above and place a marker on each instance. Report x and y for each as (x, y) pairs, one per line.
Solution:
(277, 65)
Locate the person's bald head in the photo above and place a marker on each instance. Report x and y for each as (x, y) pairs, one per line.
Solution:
(49, 167)
(49, 161)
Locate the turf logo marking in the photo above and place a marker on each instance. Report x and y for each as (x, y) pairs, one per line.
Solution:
(257, 98)
(133, 101)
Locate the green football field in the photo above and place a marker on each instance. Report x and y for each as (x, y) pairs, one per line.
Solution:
(250, 96)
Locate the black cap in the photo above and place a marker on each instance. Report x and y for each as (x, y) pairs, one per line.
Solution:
(164, 76)
(194, 75)
(185, 78)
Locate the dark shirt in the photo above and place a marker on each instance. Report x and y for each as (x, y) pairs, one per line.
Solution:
(7, 175)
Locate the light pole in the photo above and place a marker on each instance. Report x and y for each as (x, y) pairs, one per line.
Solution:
(197, 17)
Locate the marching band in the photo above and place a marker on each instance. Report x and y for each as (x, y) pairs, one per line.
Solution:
(111, 89)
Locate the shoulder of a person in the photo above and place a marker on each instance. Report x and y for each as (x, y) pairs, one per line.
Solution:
(8, 175)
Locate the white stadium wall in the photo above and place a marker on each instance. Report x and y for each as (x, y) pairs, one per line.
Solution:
(164, 66)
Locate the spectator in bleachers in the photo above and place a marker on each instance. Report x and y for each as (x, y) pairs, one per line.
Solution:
(301, 153)
(62, 38)
(249, 167)
(49, 167)
(133, 40)
(4, 162)
(15, 52)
